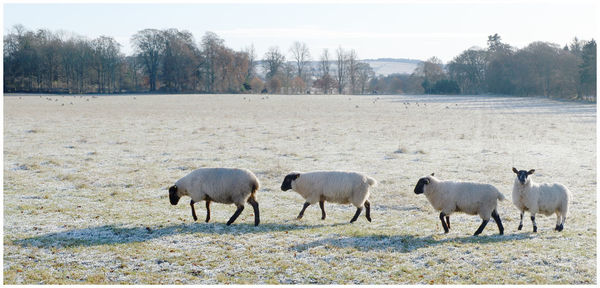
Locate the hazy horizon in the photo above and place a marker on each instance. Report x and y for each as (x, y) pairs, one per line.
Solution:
(405, 29)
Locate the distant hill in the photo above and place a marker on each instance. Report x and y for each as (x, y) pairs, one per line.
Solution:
(381, 66)
(387, 66)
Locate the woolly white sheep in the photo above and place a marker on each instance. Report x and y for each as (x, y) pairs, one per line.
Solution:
(220, 185)
(542, 198)
(470, 198)
(333, 186)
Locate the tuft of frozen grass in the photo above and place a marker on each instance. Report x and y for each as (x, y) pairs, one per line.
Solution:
(401, 150)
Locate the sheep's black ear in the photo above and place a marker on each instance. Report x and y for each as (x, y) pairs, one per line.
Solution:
(432, 174)
(515, 170)
(530, 171)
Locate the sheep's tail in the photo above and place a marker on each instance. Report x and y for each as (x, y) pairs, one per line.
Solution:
(501, 196)
(371, 181)
(255, 186)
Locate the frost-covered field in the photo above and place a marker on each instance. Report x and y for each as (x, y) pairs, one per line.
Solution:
(85, 189)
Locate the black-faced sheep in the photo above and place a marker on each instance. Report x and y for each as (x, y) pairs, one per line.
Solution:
(220, 185)
(333, 186)
(542, 198)
(467, 197)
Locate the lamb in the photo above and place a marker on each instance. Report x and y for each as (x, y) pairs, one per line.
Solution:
(220, 185)
(542, 198)
(468, 197)
(333, 186)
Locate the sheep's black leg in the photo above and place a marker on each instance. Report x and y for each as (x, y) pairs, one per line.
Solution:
(498, 221)
(236, 214)
(322, 205)
(560, 227)
(254, 204)
(480, 229)
(562, 222)
(193, 210)
(207, 211)
(446, 228)
(368, 210)
(521, 222)
(306, 204)
(558, 223)
(448, 221)
(533, 221)
(358, 210)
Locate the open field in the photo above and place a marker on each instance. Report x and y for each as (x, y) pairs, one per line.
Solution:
(86, 179)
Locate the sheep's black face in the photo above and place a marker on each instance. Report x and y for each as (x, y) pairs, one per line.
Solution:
(420, 187)
(173, 197)
(522, 175)
(287, 181)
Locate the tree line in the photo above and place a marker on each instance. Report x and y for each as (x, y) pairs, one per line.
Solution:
(171, 61)
(539, 69)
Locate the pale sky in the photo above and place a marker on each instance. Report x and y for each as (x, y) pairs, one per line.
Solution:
(386, 29)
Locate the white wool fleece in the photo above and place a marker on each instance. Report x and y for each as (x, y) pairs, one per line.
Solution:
(334, 186)
(468, 197)
(222, 185)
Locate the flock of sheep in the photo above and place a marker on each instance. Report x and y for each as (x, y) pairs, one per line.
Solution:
(239, 186)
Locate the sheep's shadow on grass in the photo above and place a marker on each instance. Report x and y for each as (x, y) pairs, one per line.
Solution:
(118, 234)
(404, 243)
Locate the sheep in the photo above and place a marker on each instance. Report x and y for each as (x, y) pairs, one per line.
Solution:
(220, 185)
(333, 186)
(468, 197)
(542, 198)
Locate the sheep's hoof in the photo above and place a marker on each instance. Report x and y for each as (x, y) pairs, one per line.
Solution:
(534, 229)
(559, 228)
(520, 227)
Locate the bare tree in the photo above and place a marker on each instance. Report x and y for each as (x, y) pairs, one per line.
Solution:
(325, 82)
(180, 61)
(107, 58)
(251, 52)
(301, 55)
(82, 57)
(50, 57)
(324, 62)
(149, 46)
(364, 74)
(587, 70)
(273, 62)
(353, 71)
(341, 65)
(468, 70)
(429, 72)
(211, 45)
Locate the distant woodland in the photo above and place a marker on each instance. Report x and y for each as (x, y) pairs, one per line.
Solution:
(171, 61)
